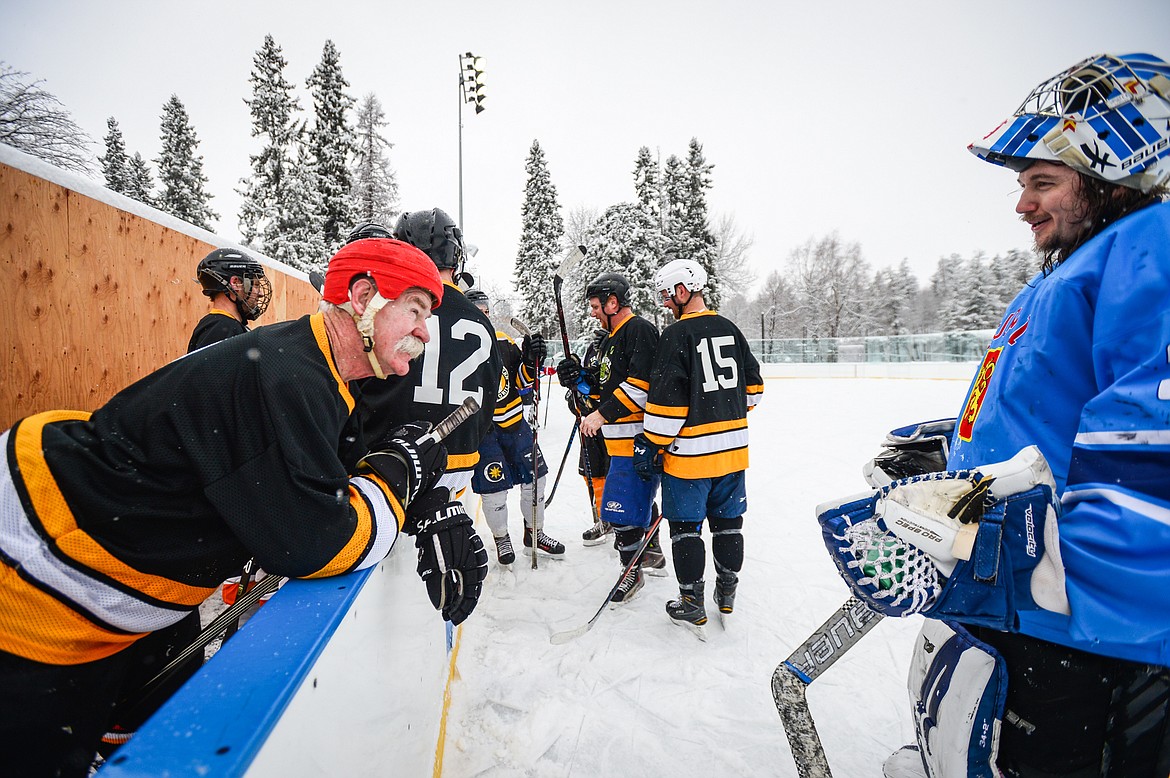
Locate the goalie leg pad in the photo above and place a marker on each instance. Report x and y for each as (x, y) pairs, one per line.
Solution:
(958, 687)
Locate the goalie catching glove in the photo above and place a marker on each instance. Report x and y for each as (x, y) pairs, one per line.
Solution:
(408, 461)
(451, 559)
(972, 545)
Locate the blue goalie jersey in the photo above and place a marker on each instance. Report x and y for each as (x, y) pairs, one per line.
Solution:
(1080, 367)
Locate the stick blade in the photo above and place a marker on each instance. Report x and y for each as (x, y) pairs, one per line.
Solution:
(788, 691)
(575, 255)
(560, 638)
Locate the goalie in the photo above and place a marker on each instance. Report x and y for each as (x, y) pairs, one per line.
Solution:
(1040, 550)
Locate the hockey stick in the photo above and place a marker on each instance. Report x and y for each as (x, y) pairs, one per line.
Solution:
(564, 458)
(557, 638)
(575, 255)
(791, 679)
(523, 329)
(269, 584)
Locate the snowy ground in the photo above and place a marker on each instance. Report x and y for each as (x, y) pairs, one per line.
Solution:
(638, 695)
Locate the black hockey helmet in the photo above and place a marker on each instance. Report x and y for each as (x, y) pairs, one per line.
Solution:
(478, 297)
(435, 233)
(367, 230)
(608, 284)
(215, 272)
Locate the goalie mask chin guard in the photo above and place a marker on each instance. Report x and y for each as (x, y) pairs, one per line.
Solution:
(1107, 116)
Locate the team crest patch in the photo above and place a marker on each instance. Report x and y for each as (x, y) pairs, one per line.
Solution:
(603, 370)
(502, 392)
(978, 393)
(494, 472)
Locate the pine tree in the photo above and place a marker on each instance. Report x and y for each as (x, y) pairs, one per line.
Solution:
(375, 186)
(624, 240)
(541, 234)
(296, 236)
(273, 107)
(141, 185)
(691, 233)
(180, 169)
(115, 164)
(646, 185)
(332, 144)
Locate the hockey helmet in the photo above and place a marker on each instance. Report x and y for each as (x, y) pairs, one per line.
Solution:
(435, 233)
(607, 284)
(367, 230)
(1106, 116)
(215, 272)
(478, 297)
(395, 267)
(687, 272)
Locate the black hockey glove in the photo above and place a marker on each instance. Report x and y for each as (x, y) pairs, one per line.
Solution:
(647, 458)
(406, 465)
(569, 371)
(451, 559)
(533, 350)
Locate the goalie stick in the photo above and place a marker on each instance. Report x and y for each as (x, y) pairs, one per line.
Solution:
(575, 255)
(792, 676)
(523, 329)
(265, 586)
(557, 638)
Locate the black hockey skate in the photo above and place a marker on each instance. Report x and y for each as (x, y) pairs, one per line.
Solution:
(725, 596)
(504, 552)
(547, 546)
(688, 610)
(629, 586)
(595, 535)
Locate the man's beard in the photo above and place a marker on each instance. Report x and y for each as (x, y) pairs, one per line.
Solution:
(411, 346)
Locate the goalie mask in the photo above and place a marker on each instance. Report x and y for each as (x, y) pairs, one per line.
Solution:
(1107, 117)
(253, 291)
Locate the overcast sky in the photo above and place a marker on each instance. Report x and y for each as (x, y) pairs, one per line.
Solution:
(818, 116)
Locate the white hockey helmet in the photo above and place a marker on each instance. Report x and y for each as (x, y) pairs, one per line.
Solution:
(687, 272)
(1106, 116)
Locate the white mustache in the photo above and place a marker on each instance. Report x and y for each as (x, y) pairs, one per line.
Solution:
(411, 346)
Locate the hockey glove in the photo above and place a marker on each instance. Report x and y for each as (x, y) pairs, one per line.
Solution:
(569, 371)
(973, 545)
(647, 458)
(409, 467)
(533, 350)
(451, 559)
(909, 451)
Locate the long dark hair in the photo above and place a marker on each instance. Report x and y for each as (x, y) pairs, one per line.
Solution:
(1102, 204)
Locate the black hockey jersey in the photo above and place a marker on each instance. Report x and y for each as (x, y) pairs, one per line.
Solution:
(460, 361)
(121, 522)
(705, 381)
(627, 357)
(217, 325)
(515, 376)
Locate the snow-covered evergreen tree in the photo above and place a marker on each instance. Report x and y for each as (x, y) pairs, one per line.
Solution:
(647, 189)
(375, 185)
(541, 235)
(180, 169)
(141, 184)
(273, 107)
(624, 240)
(688, 228)
(332, 144)
(296, 236)
(115, 164)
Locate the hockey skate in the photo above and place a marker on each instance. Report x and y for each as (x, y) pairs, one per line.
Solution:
(688, 610)
(629, 586)
(504, 552)
(549, 547)
(653, 560)
(595, 535)
(725, 596)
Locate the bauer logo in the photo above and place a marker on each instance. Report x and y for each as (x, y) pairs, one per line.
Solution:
(978, 393)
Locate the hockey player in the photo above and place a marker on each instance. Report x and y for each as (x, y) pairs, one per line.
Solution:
(122, 521)
(1077, 375)
(704, 382)
(626, 358)
(239, 293)
(505, 453)
(460, 361)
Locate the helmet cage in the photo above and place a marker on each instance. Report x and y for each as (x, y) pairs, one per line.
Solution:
(1106, 116)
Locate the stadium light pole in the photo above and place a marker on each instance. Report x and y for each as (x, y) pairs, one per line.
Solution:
(470, 91)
